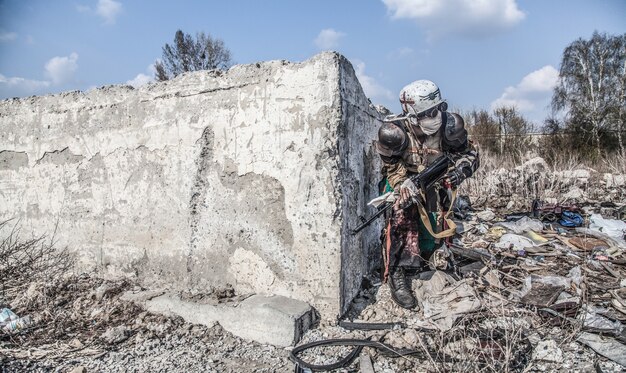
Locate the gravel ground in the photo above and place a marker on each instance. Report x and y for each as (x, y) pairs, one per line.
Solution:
(184, 348)
(96, 330)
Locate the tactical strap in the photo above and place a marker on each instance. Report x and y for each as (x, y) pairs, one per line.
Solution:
(451, 225)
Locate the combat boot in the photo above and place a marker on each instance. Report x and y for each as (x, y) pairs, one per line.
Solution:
(400, 288)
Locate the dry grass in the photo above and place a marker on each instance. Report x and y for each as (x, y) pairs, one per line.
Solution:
(27, 261)
(501, 179)
(615, 164)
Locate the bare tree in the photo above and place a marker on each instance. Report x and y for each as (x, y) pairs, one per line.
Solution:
(591, 86)
(621, 94)
(514, 131)
(484, 129)
(191, 54)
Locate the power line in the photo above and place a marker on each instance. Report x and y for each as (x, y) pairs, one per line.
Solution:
(531, 134)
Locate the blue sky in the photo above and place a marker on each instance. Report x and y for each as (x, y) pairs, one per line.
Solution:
(482, 53)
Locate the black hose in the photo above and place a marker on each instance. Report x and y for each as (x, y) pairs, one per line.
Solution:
(371, 326)
(384, 348)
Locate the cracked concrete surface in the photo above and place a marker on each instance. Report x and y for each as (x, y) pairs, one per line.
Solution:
(250, 178)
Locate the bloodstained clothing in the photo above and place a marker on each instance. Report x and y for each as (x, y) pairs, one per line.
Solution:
(407, 242)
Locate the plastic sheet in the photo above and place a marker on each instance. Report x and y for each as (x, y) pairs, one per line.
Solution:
(613, 228)
(601, 324)
(443, 299)
(523, 225)
(486, 215)
(542, 291)
(6, 316)
(571, 219)
(607, 347)
(514, 241)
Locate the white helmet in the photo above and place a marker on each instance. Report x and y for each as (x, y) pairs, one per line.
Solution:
(420, 96)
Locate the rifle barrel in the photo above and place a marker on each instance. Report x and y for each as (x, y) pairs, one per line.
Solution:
(368, 221)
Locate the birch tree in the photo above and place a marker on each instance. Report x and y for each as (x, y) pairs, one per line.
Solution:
(590, 89)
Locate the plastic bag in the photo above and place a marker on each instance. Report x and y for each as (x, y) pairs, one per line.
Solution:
(6, 316)
(571, 219)
(523, 225)
(514, 241)
(610, 227)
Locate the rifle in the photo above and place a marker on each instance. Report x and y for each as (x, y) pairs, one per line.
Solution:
(424, 181)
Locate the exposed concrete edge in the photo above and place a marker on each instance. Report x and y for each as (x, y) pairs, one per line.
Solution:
(275, 320)
(359, 124)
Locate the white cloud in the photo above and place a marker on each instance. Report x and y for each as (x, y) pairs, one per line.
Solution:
(61, 69)
(468, 18)
(405, 51)
(7, 36)
(142, 78)
(370, 86)
(58, 70)
(328, 39)
(108, 10)
(532, 94)
(17, 87)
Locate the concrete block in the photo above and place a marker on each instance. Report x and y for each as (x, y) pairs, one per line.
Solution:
(275, 320)
(250, 179)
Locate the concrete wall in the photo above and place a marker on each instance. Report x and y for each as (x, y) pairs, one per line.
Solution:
(250, 177)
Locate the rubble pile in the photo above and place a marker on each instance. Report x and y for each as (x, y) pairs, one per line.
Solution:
(496, 186)
(83, 323)
(538, 290)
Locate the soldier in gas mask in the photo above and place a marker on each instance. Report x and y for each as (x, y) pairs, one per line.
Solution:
(408, 143)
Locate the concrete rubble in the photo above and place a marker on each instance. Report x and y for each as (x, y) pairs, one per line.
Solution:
(75, 331)
(274, 320)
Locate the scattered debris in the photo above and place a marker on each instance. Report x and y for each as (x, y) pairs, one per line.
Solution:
(548, 351)
(513, 292)
(521, 289)
(605, 346)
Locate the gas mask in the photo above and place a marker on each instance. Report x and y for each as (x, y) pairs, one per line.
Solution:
(428, 124)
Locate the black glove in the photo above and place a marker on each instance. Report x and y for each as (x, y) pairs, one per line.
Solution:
(460, 173)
